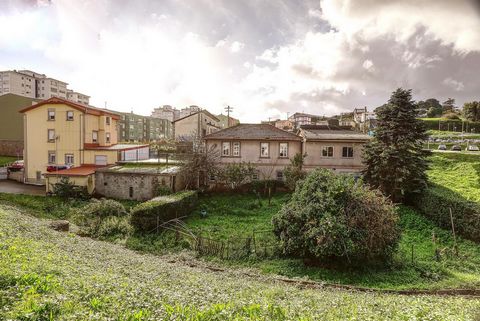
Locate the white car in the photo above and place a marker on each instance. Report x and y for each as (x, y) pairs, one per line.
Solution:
(472, 148)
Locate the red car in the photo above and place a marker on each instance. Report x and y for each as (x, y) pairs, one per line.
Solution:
(54, 168)
(16, 166)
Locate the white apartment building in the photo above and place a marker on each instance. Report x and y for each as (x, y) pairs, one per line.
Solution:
(34, 85)
(166, 112)
(77, 97)
(187, 111)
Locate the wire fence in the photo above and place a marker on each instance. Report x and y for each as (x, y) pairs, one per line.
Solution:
(258, 243)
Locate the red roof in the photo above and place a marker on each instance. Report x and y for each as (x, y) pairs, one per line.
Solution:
(86, 109)
(83, 170)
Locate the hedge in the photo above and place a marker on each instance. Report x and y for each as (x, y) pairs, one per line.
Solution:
(435, 203)
(146, 216)
(450, 124)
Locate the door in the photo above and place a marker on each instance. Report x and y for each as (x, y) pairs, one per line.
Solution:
(100, 160)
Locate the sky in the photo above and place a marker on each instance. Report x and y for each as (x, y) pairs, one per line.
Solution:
(264, 58)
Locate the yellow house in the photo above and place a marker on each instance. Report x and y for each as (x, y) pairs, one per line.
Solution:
(60, 133)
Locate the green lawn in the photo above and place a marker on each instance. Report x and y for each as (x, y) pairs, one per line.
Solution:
(6, 160)
(451, 134)
(233, 217)
(48, 275)
(459, 172)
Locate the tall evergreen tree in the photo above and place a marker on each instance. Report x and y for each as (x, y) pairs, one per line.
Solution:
(395, 160)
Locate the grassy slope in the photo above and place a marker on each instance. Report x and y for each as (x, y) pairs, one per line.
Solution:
(234, 216)
(458, 172)
(6, 160)
(46, 275)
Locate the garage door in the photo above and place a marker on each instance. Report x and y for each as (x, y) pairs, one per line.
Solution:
(100, 160)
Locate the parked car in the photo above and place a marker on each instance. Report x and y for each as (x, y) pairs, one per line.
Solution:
(442, 147)
(54, 168)
(16, 166)
(456, 148)
(472, 148)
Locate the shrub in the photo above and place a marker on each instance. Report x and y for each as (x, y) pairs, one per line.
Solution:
(102, 219)
(146, 216)
(435, 203)
(163, 190)
(333, 217)
(67, 189)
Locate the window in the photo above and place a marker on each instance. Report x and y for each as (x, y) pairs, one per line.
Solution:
(264, 147)
(69, 159)
(130, 191)
(70, 115)
(255, 176)
(51, 114)
(107, 120)
(327, 151)
(283, 150)
(51, 135)
(52, 157)
(236, 148)
(347, 152)
(279, 176)
(107, 137)
(225, 149)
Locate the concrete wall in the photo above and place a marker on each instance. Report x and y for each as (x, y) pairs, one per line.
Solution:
(314, 158)
(84, 181)
(11, 121)
(199, 124)
(144, 186)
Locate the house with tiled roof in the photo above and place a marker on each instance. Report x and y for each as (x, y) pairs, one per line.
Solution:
(72, 139)
(266, 147)
(270, 149)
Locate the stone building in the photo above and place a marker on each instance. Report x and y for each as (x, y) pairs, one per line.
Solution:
(140, 183)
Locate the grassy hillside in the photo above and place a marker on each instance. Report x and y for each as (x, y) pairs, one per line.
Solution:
(47, 275)
(458, 172)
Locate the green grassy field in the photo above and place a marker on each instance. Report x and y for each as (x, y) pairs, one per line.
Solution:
(48, 275)
(450, 134)
(6, 160)
(459, 172)
(232, 217)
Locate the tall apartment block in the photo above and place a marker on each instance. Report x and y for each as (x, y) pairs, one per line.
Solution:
(144, 129)
(172, 113)
(31, 84)
(166, 112)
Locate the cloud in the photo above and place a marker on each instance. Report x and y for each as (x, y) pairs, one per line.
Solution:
(265, 58)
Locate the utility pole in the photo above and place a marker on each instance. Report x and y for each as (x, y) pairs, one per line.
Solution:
(228, 109)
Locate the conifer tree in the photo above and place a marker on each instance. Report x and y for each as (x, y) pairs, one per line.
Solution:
(395, 160)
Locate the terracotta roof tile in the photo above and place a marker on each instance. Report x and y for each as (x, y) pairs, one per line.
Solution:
(253, 132)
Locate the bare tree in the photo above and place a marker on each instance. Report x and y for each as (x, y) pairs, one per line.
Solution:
(269, 179)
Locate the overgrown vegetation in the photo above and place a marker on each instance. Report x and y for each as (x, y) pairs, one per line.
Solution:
(294, 172)
(148, 216)
(66, 189)
(331, 218)
(46, 275)
(104, 219)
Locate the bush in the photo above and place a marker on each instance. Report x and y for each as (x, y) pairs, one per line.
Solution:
(294, 172)
(435, 203)
(102, 219)
(146, 216)
(66, 189)
(333, 217)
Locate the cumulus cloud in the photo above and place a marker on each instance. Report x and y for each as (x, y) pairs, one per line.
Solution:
(265, 58)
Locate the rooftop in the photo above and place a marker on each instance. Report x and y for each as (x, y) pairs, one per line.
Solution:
(86, 109)
(117, 147)
(253, 132)
(195, 113)
(332, 133)
(165, 170)
(83, 170)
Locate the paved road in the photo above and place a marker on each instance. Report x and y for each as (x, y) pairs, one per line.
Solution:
(13, 187)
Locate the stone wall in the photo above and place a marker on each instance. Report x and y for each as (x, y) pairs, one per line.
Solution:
(11, 148)
(134, 186)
